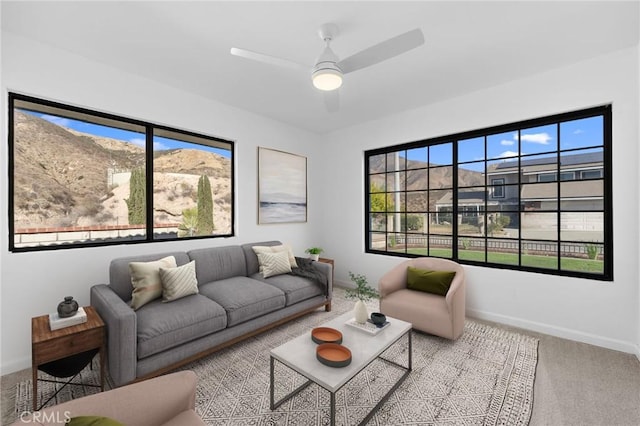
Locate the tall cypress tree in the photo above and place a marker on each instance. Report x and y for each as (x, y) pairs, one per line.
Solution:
(205, 207)
(136, 203)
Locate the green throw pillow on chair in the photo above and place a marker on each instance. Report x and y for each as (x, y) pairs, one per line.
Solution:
(436, 282)
(92, 421)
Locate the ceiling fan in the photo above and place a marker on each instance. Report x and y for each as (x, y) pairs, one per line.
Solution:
(328, 70)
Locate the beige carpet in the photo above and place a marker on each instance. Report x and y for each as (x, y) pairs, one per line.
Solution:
(485, 377)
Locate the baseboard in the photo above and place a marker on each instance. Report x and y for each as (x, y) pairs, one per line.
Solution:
(12, 367)
(552, 330)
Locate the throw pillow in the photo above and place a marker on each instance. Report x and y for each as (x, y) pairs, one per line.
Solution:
(274, 263)
(436, 282)
(146, 282)
(92, 421)
(276, 249)
(179, 282)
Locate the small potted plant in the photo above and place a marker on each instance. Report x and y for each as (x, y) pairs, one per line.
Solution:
(363, 293)
(314, 252)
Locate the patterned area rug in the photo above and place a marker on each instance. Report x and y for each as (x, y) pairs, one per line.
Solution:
(484, 378)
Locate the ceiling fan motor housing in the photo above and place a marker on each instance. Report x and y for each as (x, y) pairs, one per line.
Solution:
(326, 74)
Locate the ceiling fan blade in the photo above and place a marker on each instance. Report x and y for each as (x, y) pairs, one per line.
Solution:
(382, 51)
(267, 59)
(332, 101)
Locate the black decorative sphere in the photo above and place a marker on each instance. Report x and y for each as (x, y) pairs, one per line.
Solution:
(377, 318)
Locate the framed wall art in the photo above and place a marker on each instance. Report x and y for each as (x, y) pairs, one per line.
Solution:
(282, 187)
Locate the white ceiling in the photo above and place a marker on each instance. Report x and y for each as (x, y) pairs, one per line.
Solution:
(469, 46)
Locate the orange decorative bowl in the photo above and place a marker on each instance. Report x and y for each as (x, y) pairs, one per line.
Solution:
(326, 335)
(333, 355)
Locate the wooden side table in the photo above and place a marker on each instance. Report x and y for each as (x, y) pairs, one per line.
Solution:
(48, 346)
(329, 261)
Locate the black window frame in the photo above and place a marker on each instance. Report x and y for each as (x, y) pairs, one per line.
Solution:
(149, 128)
(604, 111)
(495, 184)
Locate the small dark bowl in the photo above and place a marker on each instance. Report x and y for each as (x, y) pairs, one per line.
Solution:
(377, 318)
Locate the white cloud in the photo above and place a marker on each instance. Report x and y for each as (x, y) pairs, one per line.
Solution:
(59, 121)
(157, 146)
(506, 142)
(578, 131)
(540, 138)
(507, 154)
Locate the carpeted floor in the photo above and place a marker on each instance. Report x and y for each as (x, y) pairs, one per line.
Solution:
(485, 377)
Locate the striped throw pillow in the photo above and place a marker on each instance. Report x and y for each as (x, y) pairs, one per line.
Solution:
(274, 263)
(179, 282)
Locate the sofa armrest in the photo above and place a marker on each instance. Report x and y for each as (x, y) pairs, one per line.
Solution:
(326, 269)
(150, 402)
(121, 323)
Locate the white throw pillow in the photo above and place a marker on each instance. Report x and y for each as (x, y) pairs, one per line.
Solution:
(274, 263)
(179, 282)
(146, 282)
(276, 249)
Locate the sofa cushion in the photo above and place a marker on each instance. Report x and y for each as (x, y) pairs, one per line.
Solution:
(162, 326)
(218, 263)
(179, 282)
(296, 289)
(243, 298)
(120, 278)
(146, 281)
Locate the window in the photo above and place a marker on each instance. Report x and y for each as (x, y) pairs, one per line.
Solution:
(498, 188)
(83, 178)
(532, 196)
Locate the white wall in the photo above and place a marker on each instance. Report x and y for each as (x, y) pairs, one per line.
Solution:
(601, 313)
(33, 283)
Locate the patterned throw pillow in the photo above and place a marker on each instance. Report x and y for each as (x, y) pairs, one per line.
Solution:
(276, 249)
(274, 263)
(145, 279)
(179, 282)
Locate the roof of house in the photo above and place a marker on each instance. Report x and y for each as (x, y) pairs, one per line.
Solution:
(538, 164)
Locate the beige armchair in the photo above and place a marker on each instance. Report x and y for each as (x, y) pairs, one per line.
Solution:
(431, 313)
(165, 400)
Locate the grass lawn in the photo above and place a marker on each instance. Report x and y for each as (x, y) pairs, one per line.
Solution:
(546, 262)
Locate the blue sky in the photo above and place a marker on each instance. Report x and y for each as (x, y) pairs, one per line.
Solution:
(574, 134)
(159, 143)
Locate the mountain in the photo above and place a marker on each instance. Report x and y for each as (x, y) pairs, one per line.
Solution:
(61, 177)
(417, 178)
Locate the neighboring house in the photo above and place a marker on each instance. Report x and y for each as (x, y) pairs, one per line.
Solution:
(533, 184)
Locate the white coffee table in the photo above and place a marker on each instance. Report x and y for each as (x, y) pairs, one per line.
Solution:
(299, 354)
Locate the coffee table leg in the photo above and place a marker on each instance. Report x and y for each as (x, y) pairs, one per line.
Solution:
(333, 408)
(271, 384)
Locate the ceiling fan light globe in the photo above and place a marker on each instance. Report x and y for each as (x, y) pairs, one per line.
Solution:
(327, 79)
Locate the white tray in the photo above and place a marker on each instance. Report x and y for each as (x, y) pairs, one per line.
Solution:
(367, 327)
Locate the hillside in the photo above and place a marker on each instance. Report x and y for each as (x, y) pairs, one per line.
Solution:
(418, 179)
(61, 178)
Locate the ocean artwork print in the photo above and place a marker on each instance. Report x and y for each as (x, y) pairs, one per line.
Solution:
(282, 187)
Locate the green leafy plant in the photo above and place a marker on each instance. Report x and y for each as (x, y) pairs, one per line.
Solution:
(314, 250)
(362, 290)
(592, 250)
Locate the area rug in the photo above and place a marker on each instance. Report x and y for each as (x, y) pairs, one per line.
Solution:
(484, 378)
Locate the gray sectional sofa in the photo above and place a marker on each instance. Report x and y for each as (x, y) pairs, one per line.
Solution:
(234, 302)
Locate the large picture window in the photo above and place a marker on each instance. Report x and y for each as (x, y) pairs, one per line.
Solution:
(533, 195)
(83, 178)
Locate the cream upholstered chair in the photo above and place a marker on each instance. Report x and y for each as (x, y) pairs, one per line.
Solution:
(431, 313)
